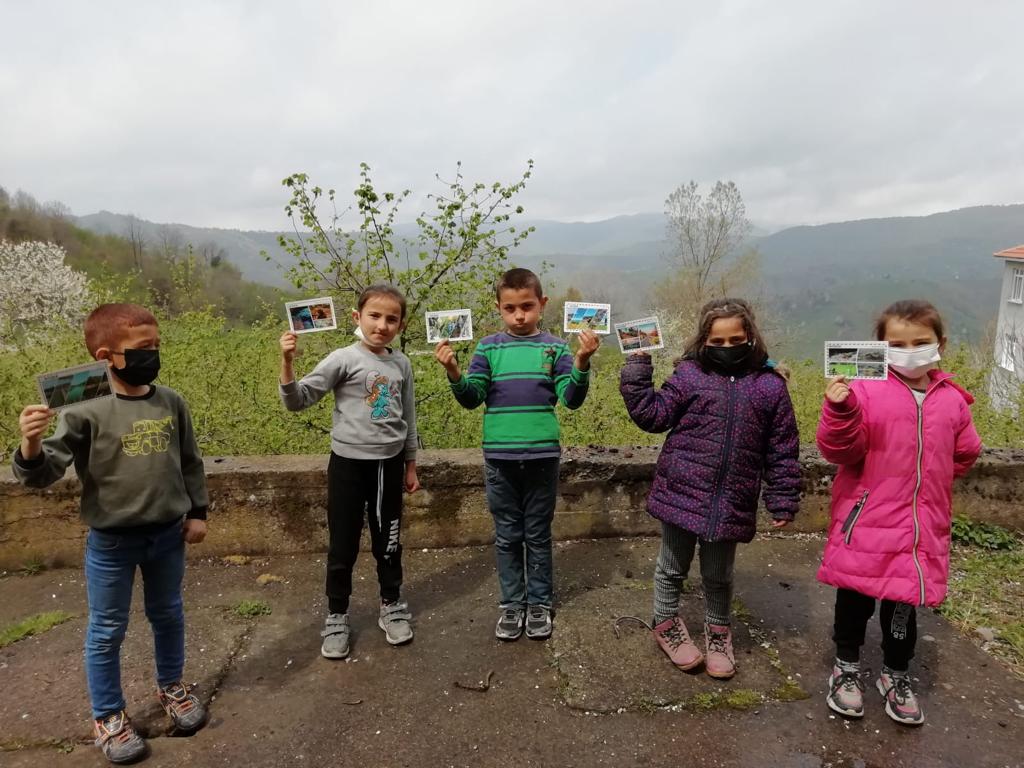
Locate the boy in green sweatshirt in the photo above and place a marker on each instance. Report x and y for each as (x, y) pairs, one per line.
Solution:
(143, 497)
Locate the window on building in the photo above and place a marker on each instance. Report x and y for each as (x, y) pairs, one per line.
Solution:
(1017, 285)
(1007, 353)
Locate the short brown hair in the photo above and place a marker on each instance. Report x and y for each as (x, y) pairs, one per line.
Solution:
(519, 279)
(913, 311)
(382, 289)
(105, 325)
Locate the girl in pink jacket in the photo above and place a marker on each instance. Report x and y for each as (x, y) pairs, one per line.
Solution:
(898, 443)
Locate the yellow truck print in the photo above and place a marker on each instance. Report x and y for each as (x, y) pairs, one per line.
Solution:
(147, 436)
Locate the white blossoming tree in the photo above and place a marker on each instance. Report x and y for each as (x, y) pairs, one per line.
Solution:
(38, 291)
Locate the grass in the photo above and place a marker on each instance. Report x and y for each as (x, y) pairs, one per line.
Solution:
(33, 625)
(986, 589)
(250, 609)
(741, 698)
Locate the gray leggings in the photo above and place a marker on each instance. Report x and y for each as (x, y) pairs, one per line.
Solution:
(716, 561)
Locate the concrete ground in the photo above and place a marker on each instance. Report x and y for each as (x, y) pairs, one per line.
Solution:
(588, 697)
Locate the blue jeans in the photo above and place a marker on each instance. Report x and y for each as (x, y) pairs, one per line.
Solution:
(110, 562)
(521, 496)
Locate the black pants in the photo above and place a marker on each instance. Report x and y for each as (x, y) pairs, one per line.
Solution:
(898, 621)
(359, 489)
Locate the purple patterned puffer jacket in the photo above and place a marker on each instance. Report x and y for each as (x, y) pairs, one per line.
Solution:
(726, 435)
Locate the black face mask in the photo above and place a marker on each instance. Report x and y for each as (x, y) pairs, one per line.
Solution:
(140, 367)
(728, 360)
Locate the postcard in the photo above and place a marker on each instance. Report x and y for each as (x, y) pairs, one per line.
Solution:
(72, 386)
(640, 335)
(449, 325)
(581, 316)
(312, 315)
(857, 359)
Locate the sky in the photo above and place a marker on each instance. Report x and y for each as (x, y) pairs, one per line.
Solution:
(193, 112)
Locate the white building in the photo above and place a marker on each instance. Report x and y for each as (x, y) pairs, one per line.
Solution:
(1008, 373)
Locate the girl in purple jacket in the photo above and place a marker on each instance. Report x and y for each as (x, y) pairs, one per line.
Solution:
(731, 425)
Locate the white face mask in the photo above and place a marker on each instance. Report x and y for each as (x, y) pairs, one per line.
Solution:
(914, 362)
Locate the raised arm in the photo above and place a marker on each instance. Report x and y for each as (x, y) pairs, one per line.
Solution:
(842, 435)
(297, 395)
(651, 410)
(470, 389)
(571, 382)
(47, 460)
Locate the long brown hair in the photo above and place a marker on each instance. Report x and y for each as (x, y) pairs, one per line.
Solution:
(716, 309)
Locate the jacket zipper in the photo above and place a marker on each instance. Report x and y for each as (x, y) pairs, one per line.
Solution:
(727, 449)
(917, 487)
(851, 519)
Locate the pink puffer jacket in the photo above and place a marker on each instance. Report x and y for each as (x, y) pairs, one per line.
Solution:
(892, 496)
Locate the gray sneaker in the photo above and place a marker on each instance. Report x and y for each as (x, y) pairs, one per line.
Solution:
(538, 622)
(510, 623)
(118, 740)
(900, 702)
(845, 689)
(335, 635)
(186, 711)
(394, 620)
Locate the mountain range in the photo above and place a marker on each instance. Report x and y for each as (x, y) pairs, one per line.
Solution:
(819, 282)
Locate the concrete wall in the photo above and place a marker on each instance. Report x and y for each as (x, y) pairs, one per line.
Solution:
(276, 504)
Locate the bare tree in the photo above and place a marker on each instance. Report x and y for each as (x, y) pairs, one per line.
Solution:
(170, 241)
(706, 235)
(133, 233)
(705, 230)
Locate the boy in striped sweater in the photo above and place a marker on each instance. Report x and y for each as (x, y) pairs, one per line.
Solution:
(520, 374)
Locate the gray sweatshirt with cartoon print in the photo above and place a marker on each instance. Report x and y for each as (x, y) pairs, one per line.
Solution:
(374, 402)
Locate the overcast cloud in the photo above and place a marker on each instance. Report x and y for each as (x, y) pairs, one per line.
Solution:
(193, 112)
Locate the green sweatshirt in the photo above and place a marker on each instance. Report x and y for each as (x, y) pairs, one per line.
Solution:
(136, 457)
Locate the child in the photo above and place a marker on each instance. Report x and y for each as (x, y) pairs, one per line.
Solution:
(730, 423)
(520, 374)
(373, 456)
(898, 443)
(141, 507)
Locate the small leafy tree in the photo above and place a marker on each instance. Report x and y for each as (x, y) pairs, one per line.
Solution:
(38, 290)
(450, 259)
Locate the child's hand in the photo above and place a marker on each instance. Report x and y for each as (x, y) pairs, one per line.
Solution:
(33, 422)
(193, 531)
(412, 481)
(589, 342)
(446, 356)
(838, 390)
(779, 523)
(289, 345)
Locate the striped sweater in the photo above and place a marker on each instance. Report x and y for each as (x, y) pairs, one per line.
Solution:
(520, 379)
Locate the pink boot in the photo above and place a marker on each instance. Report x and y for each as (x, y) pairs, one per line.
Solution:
(675, 641)
(721, 663)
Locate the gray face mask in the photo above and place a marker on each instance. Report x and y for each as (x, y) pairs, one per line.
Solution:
(914, 362)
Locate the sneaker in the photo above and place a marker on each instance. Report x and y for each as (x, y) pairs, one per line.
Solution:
(394, 620)
(538, 622)
(900, 702)
(118, 740)
(674, 640)
(721, 663)
(335, 635)
(845, 689)
(186, 711)
(510, 624)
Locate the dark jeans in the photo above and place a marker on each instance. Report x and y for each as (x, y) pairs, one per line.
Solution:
(521, 496)
(898, 621)
(110, 563)
(358, 490)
